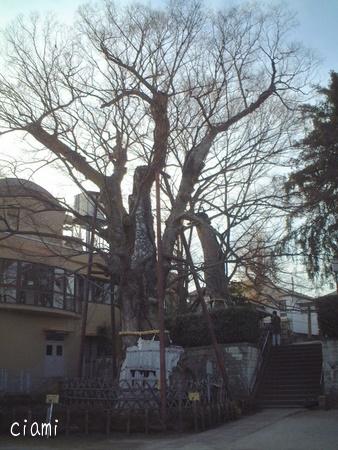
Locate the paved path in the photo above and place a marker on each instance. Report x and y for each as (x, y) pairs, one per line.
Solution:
(283, 429)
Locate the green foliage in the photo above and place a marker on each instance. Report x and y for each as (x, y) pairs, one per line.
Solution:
(234, 324)
(313, 188)
(327, 308)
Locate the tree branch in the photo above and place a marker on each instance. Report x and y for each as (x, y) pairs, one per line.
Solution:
(79, 163)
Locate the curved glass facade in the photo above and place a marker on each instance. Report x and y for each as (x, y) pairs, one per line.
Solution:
(40, 285)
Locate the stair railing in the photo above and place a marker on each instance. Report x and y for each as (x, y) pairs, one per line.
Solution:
(321, 381)
(264, 347)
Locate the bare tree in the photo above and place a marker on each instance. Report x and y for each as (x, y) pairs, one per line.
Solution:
(176, 89)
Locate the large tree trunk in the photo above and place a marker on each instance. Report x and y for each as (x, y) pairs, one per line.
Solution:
(138, 280)
(214, 273)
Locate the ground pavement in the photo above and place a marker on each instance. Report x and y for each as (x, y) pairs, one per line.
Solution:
(271, 429)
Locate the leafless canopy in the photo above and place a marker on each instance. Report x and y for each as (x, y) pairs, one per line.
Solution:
(209, 98)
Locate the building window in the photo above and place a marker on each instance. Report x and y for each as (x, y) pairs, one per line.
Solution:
(8, 280)
(99, 292)
(59, 288)
(44, 286)
(41, 285)
(27, 283)
(49, 350)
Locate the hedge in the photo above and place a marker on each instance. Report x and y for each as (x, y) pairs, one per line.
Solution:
(234, 324)
(327, 308)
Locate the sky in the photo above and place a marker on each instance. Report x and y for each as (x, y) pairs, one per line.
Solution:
(317, 29)
(317, 21)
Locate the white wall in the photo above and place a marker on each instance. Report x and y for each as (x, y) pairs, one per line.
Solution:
(299, 319)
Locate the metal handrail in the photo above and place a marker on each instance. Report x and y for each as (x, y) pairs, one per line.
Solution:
(264, 349)
(321, 381)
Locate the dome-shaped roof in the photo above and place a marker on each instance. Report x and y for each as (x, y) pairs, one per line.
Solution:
(18, 187)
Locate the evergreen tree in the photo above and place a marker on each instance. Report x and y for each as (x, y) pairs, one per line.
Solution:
(313, 188)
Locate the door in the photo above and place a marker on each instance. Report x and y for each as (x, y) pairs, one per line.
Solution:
(54, 359)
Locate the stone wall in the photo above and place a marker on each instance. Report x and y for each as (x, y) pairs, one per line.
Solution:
(330, 368)
(240, 362)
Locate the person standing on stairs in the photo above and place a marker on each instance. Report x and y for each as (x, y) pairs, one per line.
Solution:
(276, 329)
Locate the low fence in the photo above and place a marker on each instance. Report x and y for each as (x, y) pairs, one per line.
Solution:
(99, 367)
(18, 382)
(24, 382)
(96, 405)
(135, 405)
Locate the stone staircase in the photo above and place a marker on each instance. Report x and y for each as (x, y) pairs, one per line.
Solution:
(291, 377)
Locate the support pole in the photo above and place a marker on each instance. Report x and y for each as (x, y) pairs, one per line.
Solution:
(309, 322)
(218, 353)
(113, 327)
(86, 293)
(160, 296)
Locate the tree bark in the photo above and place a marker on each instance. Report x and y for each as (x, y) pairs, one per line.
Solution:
(215, 278)
(138, 279)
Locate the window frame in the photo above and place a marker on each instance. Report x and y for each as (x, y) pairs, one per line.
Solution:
(71, 298)
(70, 302)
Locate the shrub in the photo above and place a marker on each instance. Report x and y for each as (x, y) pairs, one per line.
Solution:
(327, 308)
(234, 324)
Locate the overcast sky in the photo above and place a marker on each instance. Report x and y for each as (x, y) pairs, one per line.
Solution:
(317, 21)
(317, 30)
